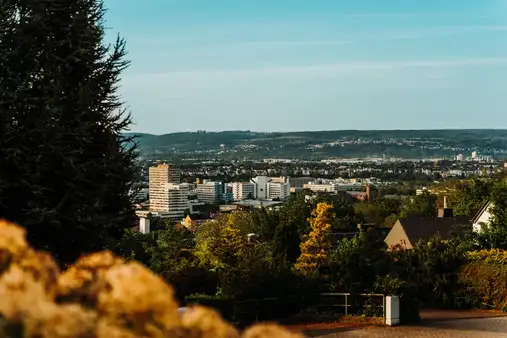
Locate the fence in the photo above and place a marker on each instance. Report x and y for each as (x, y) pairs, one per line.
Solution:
(324, 304)
(347, 304)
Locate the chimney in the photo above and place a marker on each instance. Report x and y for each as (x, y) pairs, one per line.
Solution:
(445, 212)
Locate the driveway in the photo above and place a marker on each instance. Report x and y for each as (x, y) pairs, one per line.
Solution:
(434, 324)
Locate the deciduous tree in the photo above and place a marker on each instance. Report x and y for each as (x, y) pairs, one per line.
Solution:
(317, 244)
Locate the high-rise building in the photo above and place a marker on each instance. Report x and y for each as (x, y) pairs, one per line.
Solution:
(460, 157)
(167, 195)
(164, 173)
(474, 154)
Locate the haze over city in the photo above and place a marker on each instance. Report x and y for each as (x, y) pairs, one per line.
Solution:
(301, 65)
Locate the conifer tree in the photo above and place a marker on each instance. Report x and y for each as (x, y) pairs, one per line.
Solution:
(317, 244)
(65, 166)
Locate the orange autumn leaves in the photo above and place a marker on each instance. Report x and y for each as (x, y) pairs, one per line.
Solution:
(99, 296)
(316, 246)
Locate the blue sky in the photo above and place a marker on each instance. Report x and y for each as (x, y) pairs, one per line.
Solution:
(287, 65)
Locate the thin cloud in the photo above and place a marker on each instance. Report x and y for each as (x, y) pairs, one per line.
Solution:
(328, 69)
(434, 32)
(295, 43)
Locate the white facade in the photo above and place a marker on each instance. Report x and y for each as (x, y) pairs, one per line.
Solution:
(244, 190)
(172, 200)
(144, 225)
(278, 190)
(271, 187)
(459, 157)
(261, 186)
(209, 192)
(320, 187)
(474, 154)
(483, 218)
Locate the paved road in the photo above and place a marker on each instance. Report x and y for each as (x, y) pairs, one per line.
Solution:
(485, 326)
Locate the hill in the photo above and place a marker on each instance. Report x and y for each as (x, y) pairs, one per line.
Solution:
(326, 144)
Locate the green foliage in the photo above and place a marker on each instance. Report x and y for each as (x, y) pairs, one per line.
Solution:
(486, 283)
(66, 167)
(292, 226)
(434, 267)
(356, 263)
(382, 211)
(424, 205)
(470, 196)
(499, 209)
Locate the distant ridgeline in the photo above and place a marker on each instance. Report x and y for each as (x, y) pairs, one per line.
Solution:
(409, 144)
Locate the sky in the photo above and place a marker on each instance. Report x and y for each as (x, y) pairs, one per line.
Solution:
(294, 65)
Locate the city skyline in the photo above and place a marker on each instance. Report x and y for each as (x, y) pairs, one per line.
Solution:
(324, 65)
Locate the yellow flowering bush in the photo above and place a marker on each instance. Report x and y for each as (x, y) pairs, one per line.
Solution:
(99, 296)
(489, 256)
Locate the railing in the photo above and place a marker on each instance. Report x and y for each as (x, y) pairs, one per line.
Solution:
(333, 304)
(347, 304)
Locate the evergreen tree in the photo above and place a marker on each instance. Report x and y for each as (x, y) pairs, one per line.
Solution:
(65, 168)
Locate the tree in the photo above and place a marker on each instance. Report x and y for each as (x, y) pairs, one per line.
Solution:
(424, 205)
(66, 167)
(470, 196)
(499, 201)
(315, 249)
(291, 228)
(356, 262)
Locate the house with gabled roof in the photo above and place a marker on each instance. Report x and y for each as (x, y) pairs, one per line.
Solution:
(482, 217)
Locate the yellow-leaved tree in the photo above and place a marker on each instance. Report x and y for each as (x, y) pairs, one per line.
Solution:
(317, 244)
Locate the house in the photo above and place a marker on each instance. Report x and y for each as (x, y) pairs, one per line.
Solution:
(407, 232)
(482, 217)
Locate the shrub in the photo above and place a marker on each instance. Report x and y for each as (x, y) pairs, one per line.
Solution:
(485, 279)
(99, 296)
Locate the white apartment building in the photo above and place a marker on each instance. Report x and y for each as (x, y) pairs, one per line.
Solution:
(271, 187)
(279, 190)
(244, 190)
(320, 187)
(171, 201)
(209, 191)
(261, 183)
(167, 196)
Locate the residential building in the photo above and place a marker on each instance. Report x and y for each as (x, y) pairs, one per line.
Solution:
(244, 190)
(261, 183)
(320, 187)
(483, 217)
(408, 231)
(278, 190)
(271, 187)
(164, 173)
(172, 200)
(210, 191)
(168, 197)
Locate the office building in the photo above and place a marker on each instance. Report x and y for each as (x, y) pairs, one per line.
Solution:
(244, 190)
(278, 190)
(210, 192)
